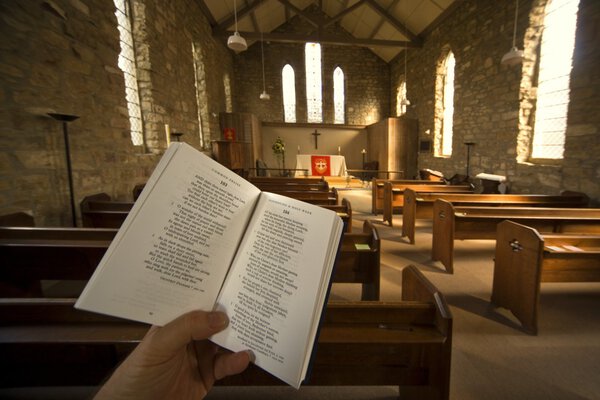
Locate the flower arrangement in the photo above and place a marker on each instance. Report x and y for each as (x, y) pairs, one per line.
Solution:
(279, 152)
(278, 147)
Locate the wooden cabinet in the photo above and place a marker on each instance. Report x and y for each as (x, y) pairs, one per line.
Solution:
(231, 154)
(393, 143)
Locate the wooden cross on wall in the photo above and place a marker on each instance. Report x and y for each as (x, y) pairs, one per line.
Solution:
(316, 135)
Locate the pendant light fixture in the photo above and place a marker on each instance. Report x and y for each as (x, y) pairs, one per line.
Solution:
(405, 102)
(235, 42)
(514, 56)
(264, 95)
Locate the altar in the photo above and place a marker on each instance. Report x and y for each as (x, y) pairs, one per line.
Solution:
(321, 165)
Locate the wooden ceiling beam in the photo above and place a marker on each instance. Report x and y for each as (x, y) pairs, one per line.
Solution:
(323, 39)
(300, 12)
(393, 21)
(240, 14)
(342, 13)
(206, 12)
(382, 20)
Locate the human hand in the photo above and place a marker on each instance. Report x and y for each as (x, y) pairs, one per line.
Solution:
(175, 361)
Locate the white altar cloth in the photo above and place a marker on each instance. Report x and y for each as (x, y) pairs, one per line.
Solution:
(337, 164)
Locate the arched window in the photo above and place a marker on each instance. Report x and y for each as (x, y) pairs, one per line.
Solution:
(556, 60)
(288, 84)
(128, 66)
(444, 106)
(401, 99)
(338, 96)
(314, 102)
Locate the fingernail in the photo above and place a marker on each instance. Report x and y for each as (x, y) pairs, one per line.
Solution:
(217, 320)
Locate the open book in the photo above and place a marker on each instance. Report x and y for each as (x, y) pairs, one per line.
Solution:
(201, 237)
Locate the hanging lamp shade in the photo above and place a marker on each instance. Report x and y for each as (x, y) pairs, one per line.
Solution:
(514, 55)
(265, 96)
(237, 43)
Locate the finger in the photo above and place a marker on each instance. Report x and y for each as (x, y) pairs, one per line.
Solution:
(231, 363)
(195, 325)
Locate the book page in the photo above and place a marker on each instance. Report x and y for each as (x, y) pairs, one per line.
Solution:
(174, 249)
(278, 282)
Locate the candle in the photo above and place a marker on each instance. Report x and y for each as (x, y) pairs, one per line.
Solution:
(298, 149)
(339, 149)
(168, 134)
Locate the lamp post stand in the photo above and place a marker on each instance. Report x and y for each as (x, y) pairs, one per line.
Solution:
(65, 118)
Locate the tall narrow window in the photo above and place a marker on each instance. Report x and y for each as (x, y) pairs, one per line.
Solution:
(556, 61)
(128, 66)
(401, 99)
(338, 96)
(227, 88)
(201, 97)
(288, 85)
(444, 110)
(314, 102)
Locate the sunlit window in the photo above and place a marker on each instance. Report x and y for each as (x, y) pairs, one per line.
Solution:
(401, 99)
(444, 106)
(313, 82)
(338, 96)
(556, 60)
(128, 66)
(288, 85)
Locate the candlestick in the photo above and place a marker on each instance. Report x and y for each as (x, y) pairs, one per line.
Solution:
(339, 150)
(298, 149)
(168, 134)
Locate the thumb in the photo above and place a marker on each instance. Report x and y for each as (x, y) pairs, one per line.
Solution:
(195, 325)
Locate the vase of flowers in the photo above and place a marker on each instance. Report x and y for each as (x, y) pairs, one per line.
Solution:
(279, 152)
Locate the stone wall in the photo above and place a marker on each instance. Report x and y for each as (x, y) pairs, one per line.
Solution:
(61, 55)
(366, 78)
(488, 97)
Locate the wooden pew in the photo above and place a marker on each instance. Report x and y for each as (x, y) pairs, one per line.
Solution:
(255, 180)
(29, 256)
(46, 342)
(359, 261)
(525, 258)
(344, 211)
(450, 223)
(100, 211)
(18, 218)
(420, 205)
(377, 190)
(393, 195)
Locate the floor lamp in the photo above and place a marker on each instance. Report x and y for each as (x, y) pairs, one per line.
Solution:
(65, 118)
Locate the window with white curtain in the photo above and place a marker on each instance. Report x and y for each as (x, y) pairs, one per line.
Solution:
(314, 103)
(338, 96)
(555, 63)
(444, 113)
(127, 64)
(288, 84)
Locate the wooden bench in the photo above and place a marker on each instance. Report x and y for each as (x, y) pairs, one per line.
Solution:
(344, 211)
(525, 258)
(420, 205)
(393, 195)
(321, 186)
(100, 211)
(451, 223)
(359, 261)
(28, 256)
(377, 190)
(18, 218)
(46, 342)
(255, 180)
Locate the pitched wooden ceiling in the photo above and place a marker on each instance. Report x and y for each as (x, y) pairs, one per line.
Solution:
(384, 26)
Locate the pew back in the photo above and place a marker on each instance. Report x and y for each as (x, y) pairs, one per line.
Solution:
(525, 258)
(420, 205)
(450, 223)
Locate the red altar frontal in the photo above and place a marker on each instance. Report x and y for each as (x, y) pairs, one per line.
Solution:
(321, 165)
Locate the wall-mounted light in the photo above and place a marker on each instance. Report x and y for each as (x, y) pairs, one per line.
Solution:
(235, 42)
